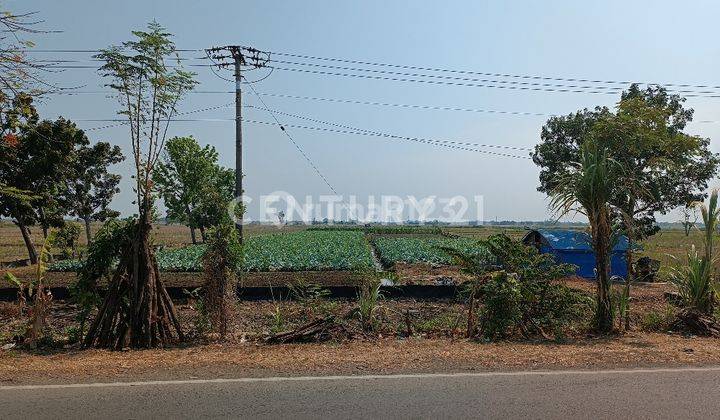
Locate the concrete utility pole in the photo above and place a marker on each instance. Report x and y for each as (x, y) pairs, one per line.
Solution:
(237, 56)
(241, 56)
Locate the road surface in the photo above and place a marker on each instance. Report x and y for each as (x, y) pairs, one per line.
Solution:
(660, 393)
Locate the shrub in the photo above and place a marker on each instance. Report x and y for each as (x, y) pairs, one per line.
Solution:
(312, 297)
(367, 298)
(694, 282)
(221, 262)
(656, 320)
(67, 238)
(522, 296)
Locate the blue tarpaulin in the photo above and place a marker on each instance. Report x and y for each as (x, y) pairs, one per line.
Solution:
(574, 247)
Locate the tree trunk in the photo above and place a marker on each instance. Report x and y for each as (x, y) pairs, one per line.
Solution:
(32, 252)
(202, 233)
(137, 311)
(192, 235)
(43, 222)
(87, 230)
(601, 246)
(190, 224)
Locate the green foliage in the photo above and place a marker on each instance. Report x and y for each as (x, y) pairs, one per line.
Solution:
(191, 183)
(367, 298)
(297, 251)
(524, 296)
(502, 305)
(149, 89)
(426, 250)
(32, 163)
(102, 256)
(307, 251)
(695, 281)
(67, 238)
(91, 187)
(588, 188)
(657, 320)
(312, 297)
(645, 135)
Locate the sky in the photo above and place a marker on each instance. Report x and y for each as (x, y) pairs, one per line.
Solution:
(644, 41)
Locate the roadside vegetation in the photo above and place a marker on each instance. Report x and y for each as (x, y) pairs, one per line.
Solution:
(619, 168)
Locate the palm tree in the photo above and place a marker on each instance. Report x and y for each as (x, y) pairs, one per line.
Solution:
(587, 188)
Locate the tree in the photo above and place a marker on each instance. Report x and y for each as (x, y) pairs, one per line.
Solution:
(587, 186)
(30, 162)
(689, 219)
(137, 310)
(91, 187)
(664, 167)
(185, 171)
(19, 74)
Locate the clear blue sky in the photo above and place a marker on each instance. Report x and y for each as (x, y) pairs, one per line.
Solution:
(658, 41)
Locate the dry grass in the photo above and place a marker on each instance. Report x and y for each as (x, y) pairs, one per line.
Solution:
(378, 356)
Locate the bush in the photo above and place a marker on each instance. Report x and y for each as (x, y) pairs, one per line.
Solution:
(67, 238)
(655, 320)
(522, 296)
(221, 262)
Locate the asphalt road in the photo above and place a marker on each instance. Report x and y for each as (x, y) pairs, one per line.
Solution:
(662, 393)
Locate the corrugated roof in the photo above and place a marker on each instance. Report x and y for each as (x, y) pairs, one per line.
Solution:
(575, 240)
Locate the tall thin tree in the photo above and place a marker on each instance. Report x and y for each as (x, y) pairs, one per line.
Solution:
(137, 311)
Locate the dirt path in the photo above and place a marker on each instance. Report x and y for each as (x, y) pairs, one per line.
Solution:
(388, 355)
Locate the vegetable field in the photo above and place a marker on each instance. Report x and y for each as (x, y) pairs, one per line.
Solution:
(298, 251)
(308, 251)
(425, 250)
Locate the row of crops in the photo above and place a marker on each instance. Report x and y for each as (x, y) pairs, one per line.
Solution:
(426, 250)
(297, 251)
(382, 229)
(316, 250)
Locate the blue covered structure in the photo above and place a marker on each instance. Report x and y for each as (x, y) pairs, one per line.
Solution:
(574, 247)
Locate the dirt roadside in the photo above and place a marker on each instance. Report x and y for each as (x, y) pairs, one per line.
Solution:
(382, 356)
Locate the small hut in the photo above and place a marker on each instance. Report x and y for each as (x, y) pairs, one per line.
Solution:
(574, 247)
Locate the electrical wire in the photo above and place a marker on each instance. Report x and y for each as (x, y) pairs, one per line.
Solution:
(492, 74)
(362, 130)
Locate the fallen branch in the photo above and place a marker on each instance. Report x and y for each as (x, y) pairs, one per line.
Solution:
(695, 322)
(320, 329)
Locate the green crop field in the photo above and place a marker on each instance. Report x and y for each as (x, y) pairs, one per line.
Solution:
(427, 250)
(298, 251)
(308, 251)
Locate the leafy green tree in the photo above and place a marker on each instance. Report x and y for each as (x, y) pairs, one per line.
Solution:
(32, 163)
(182, 177)
(147, 76)
(665, 168)
(91, 187)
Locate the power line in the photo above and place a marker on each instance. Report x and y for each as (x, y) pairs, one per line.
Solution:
(493, 74)
(614, 89)
(413, 67)
(124, 122)
(383, 135)
(362, 130)
(481, 85)
(297, 146)
(411, 106)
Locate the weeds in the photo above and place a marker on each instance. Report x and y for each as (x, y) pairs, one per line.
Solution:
(313, 298)
(367, 298)
(655, 320)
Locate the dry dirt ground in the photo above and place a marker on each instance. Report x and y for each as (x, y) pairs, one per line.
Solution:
(383, 355)
(436, 344)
